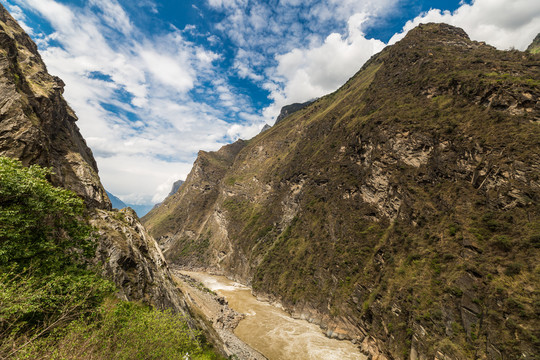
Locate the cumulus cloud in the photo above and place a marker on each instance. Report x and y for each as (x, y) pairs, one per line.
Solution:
(299, 49)
(313, 72)
(501, 23)
(132, 93)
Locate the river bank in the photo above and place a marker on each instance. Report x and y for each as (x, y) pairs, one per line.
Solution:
(264, 327)
(215, 317)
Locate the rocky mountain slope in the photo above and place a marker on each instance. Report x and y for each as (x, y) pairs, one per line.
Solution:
(291, 109)
(402, 210)
(534, 47)
(38, 127)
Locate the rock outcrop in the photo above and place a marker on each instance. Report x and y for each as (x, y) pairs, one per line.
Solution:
(291, 109)
(402, 210)
(38, 127)
(132, 259)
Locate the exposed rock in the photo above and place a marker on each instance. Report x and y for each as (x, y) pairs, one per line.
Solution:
(132, 259)
(291, 109)
(36, 124)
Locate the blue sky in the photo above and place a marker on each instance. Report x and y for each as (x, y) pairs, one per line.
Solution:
(154, 81)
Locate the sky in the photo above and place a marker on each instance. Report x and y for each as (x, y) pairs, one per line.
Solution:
(155, 81)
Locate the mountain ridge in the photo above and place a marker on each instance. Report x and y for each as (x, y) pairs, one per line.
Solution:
(401, 203)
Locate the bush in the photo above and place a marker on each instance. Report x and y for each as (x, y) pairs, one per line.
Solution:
(45, 248)
(40, 225)
(124, 330)
(51, 302)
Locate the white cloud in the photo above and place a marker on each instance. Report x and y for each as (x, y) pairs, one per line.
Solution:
(501, 23)
(157, 129)
(318, 70)
(114, 15)
(148, 175)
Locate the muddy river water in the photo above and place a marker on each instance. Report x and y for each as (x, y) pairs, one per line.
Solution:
(272, 331)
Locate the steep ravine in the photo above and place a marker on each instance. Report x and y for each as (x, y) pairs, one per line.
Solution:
(402, 210)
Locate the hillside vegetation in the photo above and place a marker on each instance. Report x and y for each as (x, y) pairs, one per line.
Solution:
(54, 304)
(402, 210)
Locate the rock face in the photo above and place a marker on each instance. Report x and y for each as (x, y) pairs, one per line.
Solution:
(402, 211)
(132, 258)
(38, 127)
(291, 109)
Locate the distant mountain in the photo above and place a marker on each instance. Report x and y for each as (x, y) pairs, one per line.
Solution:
(534, 48)
(265, 127)
(291, 109)
(116, 202)
(175, 187)
(401, 211)
(141, 210)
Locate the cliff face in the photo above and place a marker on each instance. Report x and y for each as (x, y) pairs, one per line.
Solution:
(38, 127)
(403, 210)
(133, 260)
(192, 206)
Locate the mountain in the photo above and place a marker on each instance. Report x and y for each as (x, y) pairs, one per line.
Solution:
(116, 202)
(402, 210)
(534, 47)
(175, 187)
(265, 127)
(291, 109)
(140, 210)
(38, 127)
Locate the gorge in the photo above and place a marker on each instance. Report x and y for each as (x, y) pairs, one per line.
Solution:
(396, 218)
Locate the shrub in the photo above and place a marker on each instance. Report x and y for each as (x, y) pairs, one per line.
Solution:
(125, 331)
(51, 300)
(40, 225)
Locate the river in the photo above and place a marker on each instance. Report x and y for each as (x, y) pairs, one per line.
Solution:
(272, 331)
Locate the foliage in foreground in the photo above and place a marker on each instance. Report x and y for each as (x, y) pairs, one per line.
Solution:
(45, 248)
(122, 330)
(52, 303)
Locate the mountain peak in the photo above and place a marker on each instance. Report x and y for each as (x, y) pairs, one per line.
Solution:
(440, 29)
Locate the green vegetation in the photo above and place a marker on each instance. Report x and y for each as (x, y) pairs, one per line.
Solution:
(122, 330)
(53, 304)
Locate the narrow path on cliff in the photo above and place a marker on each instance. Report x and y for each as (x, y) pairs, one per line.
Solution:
(271, 330)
